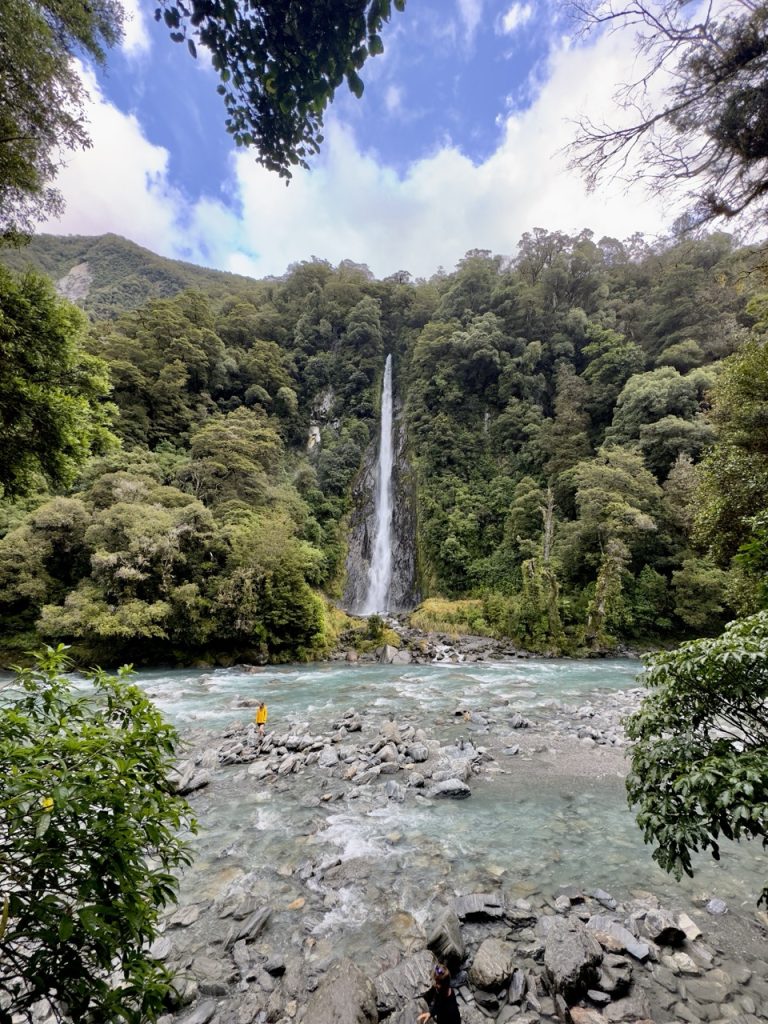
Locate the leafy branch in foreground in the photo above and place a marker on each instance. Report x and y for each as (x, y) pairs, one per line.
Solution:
(89, 840)
(280, 63)
(700, 755)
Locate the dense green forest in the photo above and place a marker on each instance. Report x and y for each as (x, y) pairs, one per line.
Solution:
(586, 423)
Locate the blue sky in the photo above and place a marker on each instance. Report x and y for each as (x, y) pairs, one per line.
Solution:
(456, 144)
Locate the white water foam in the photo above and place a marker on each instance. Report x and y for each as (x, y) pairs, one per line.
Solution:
(380, 572)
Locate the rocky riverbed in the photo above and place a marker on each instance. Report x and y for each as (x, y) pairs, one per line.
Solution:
(294, 924)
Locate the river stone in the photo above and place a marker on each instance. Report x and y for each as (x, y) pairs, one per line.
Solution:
(685, 1013)
(664, 977)
(691, 929)
(328, 758)
(394, 791)
(517, 985)
(388, 752)
(661, 927)
(493, 965)
(615, 975)
(445, 939)
(407, 980)
(717, 906)
(604, 898)
(407, 1013)
(479, 906)
(582, 1015)
(418, 752)
(453, 789)
(631, 1008)
(390, 731)
(701, 954)
(708, 989)
(571, 958)
(184, 917)
(518, 919)
(402, 658)
(344, 996)
(605, 928)
(201, 1014)
(189, 779)
(597, 997)
(682, 963)
(386, 654)
(250, 928)
(160, 949)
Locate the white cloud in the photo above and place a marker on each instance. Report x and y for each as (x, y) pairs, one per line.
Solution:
(517, 16)
(136, 38)
(351, 204)
(121, 184)
(393, 99)
(470, 12)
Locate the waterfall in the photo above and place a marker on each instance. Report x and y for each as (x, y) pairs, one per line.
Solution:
(380, 572)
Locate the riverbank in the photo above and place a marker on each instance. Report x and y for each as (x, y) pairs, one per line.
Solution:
(406, 644)
(331, 912)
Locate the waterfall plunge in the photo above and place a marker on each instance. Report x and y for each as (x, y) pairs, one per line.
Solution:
(380, 572)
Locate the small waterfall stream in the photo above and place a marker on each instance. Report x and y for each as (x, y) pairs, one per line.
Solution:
(380, 572)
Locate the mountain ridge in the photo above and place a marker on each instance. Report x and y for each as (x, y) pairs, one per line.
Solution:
(113, 275)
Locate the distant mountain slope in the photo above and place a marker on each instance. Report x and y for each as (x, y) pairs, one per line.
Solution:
(107, 274)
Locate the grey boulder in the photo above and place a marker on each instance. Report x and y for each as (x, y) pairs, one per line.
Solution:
(571, 959)
(451, 789)
(445, 940)
(493, 965)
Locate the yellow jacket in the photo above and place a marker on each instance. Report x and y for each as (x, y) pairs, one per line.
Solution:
(261, 715)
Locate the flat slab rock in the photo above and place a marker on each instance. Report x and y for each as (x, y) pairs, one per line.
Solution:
(405, 981)
(344, 996)
(479, 906)
(603, 926)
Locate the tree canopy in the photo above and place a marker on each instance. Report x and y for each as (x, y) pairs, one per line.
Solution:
(52, 409)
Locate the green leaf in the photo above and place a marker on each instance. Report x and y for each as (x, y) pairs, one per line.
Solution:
(355, 84)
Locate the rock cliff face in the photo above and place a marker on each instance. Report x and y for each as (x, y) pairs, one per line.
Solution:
(76, 284)
(403, 594)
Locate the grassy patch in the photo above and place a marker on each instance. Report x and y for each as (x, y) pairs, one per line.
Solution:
(355, 632)
(438, 615)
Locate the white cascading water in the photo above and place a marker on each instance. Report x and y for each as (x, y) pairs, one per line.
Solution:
(380, 572)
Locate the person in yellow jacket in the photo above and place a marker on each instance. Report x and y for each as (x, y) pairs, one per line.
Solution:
(261, 717)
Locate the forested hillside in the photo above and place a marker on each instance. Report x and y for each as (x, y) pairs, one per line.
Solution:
(107, 275)
(585, 422)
